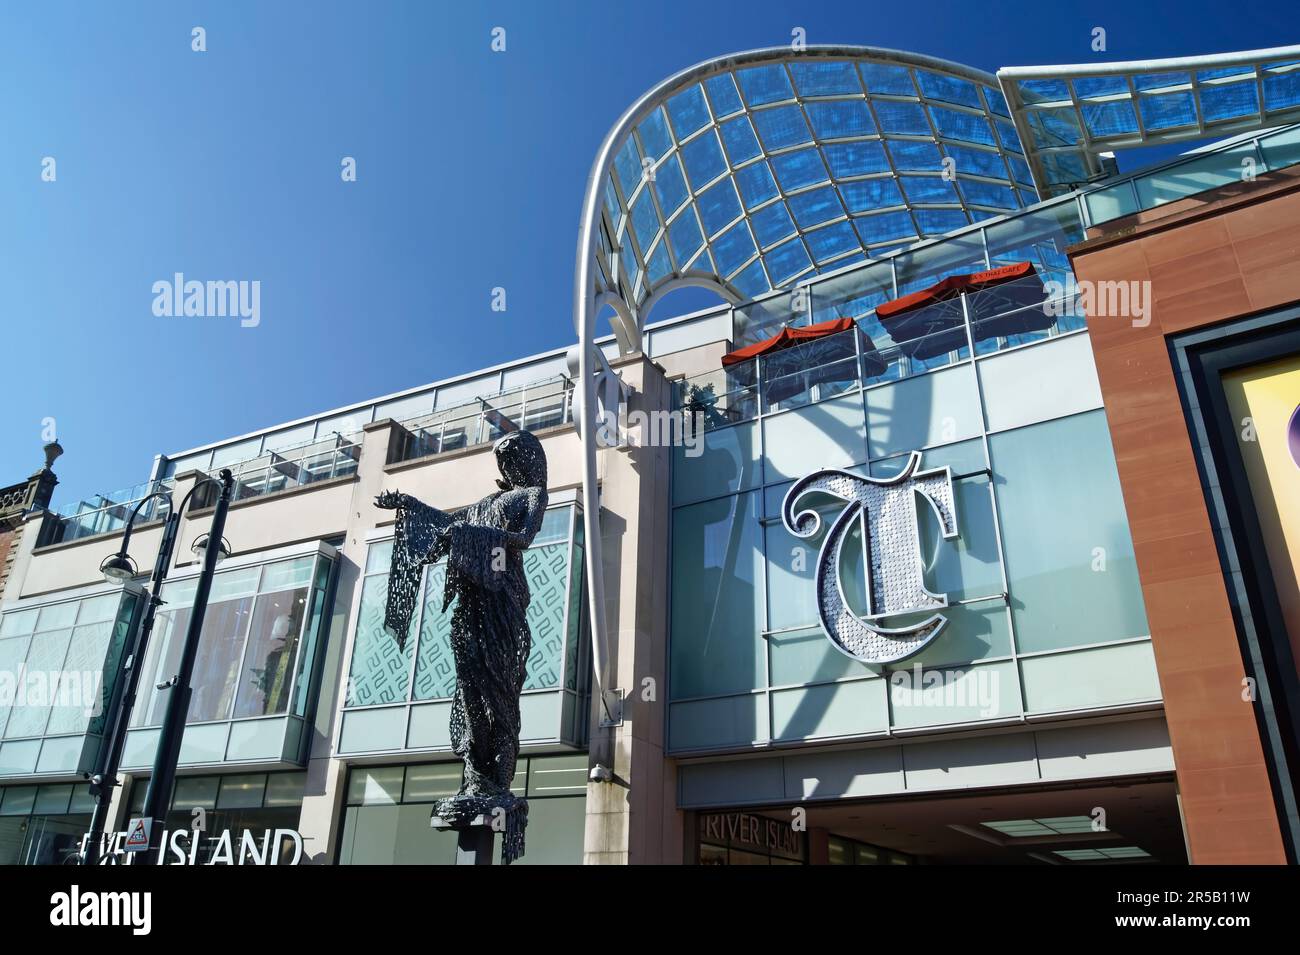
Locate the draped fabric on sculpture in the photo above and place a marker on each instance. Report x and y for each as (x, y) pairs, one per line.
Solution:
(484, 545)
(414, 538)
(490, 638)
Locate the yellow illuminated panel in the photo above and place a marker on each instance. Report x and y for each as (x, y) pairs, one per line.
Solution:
(1265, 400)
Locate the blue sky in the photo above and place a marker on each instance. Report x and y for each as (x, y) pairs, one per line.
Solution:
(470, 171)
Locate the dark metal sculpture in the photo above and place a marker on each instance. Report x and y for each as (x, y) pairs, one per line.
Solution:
(490, 640)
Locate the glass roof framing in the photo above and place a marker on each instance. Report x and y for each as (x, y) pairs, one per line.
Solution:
(1067, 115)
(770, 170)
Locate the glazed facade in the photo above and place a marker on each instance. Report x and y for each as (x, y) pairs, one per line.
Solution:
(724, 711)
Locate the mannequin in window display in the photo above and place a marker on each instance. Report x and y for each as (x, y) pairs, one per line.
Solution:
(272, 680)
(483, 545)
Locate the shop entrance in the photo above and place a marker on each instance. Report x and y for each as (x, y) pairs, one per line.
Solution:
(1123, 823)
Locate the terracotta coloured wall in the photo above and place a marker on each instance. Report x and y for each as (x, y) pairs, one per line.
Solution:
(1217, 256)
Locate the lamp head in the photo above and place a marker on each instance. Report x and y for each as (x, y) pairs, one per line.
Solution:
(200, 547)
(118, 568)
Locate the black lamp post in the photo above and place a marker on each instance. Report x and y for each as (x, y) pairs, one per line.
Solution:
(120, 567)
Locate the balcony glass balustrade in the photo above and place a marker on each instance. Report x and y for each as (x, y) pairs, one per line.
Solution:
(542, 404)
(997, 318)
(107, 513)
(310, 463)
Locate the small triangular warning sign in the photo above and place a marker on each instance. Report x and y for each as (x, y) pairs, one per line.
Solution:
(137, 834)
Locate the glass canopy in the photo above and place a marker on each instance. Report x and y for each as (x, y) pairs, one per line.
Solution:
(1067, 115)
(778, 165)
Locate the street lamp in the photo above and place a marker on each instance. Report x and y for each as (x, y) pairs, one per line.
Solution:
(120, 568)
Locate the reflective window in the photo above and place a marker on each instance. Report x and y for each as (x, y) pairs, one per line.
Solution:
(1072, 572)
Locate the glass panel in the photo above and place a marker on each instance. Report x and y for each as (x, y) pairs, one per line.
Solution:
(216, 665)
(194, 792)
(52, 800)
(379, 557)
(1043, 91)
(702, 157)
(653, 131)
(272, 645)
(285, 789)
(161, 661)
(314, 639)
(1193, 176)
(380, 673)
(82, 800)
(18, 622)
(17, 800)
(1167, 111)
(781, 126)
(723, 95)
(840, 119)
(764, 84)
(810, 372)
(57, 616)
(825, 78)
(555, 526)
(13, 651)
(287, 574)
(1281, 149)
(717, 599)
(948, 88)
(1112, 202)
(966, 127)
(718, 206)
(733, 248)
(790, 260)
(547, 572)
(44, 663)
(97, 609)
(722, 397)
(241, 792)
(1230, 101)
(435, 669)
(380, 786)
(885, 78)
(906, 118)
(798, 169)
(1039, 237)
(1078, 584)
(868, 195)
(856, 159)
(233, 583)
(81, 679)
(434, 781)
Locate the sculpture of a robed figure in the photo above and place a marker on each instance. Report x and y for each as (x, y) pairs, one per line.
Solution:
(484, 547)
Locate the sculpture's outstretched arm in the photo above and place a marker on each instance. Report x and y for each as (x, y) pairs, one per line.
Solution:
(477, 552)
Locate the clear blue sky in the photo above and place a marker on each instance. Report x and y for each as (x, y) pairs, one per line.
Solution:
(471, 165)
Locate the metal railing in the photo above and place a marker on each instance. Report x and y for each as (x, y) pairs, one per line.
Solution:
(280, 470)
(531, 407)
(108, 512)
(1004, 316)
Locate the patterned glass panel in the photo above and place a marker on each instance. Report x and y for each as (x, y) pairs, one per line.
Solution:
(380, 672)
(547, 571)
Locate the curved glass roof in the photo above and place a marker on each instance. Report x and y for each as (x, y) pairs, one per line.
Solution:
(771, 166)
(1067, 115)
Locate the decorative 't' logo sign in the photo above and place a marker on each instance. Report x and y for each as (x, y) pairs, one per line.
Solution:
(885, 510)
